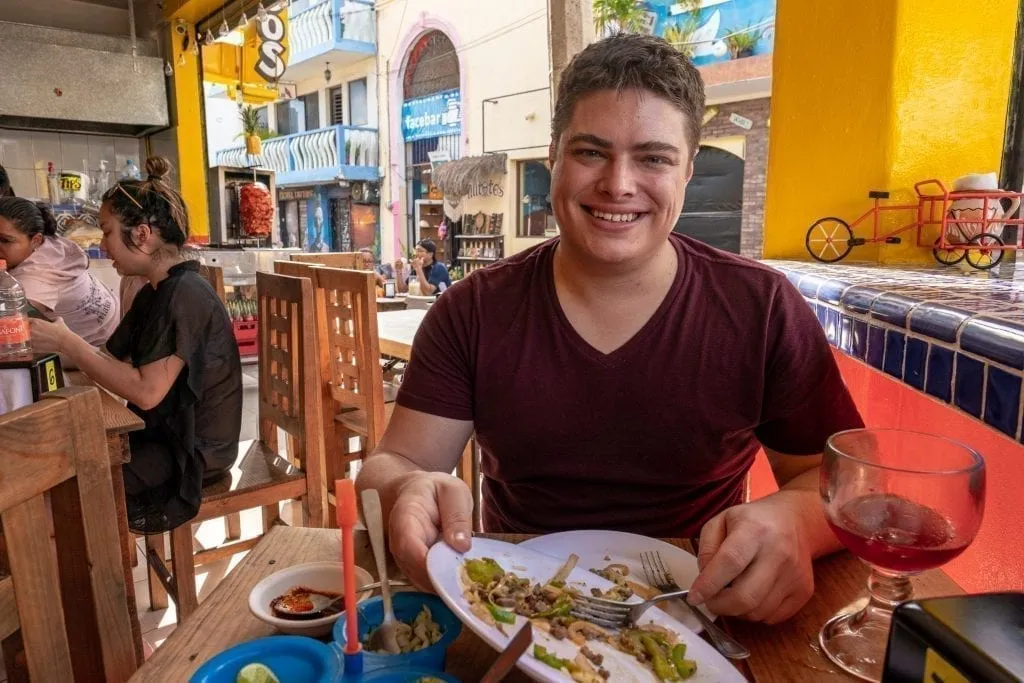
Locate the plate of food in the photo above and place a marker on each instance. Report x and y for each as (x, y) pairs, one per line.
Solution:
(615, 555)
(497, 587)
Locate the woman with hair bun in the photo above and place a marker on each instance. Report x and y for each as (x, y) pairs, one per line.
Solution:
(173, 356)
(54, 271)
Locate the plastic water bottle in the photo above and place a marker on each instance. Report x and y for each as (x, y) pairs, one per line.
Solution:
(131, 171)
(14, 329)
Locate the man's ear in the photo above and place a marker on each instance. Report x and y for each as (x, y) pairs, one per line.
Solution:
(689, 170)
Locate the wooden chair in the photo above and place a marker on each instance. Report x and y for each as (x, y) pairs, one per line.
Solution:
(215, 276)
(342, 259)
(261, 477)
(352, 383)
(67, 590)
(295, 269)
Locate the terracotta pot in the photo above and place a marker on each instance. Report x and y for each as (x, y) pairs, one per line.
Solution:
(253, 144)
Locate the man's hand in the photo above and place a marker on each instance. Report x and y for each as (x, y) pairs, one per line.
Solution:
(417, 264)
(430, 506)
(755, 559)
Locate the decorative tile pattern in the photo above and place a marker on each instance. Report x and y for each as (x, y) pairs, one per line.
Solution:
(955, 335)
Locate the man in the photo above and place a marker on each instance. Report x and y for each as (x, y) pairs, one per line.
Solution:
(621, 376)
(383, 272)
(432, 276)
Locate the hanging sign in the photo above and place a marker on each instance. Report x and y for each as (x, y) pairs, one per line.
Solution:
(266, 48)
(432, 116)
(741, 121)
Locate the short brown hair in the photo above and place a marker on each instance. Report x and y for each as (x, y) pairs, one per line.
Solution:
(632, 62)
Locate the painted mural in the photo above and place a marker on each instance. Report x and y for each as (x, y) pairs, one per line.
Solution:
(718, 30)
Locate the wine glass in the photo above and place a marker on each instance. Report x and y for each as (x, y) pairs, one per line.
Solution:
(903, 502)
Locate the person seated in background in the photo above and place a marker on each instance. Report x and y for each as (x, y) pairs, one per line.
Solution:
(384, 271)
(173, 356)
(54, 271)
(432, 276)
(5, 184)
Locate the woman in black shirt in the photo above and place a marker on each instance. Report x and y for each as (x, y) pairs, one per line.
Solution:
(173, 357)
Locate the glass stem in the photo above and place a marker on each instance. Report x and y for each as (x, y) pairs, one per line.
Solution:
(887, 589)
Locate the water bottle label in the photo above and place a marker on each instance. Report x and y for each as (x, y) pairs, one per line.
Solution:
(14, 330)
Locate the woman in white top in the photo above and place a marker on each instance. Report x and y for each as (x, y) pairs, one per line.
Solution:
(54, 271)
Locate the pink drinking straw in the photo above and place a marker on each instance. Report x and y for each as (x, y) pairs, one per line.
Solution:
(345, 494)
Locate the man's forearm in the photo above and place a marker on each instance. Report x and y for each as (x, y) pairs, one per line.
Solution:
(386, 472)
(803, 492)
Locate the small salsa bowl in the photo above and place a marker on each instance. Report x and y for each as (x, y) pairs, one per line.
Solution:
(407, 605)
(324, 576)
(291, 658)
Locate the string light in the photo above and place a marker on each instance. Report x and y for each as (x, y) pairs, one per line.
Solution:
(168, 69)
(224, 29)
(210, 40)
(243, 22)
(261, 12)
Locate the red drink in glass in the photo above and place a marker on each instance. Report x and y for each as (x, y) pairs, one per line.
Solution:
(896, 534)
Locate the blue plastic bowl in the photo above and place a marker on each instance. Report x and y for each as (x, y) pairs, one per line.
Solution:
(406, 605)
(291, 658)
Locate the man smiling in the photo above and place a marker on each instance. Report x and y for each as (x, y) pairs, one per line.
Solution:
(621, 376)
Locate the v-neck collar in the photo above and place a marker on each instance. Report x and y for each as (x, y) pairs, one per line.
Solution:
(622, 353)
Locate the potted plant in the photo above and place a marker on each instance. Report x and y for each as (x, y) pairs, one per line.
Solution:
(626, 16)
(251, 129)
(741, 42)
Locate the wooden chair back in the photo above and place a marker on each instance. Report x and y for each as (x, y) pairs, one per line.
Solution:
(295, 268)
(289, 392)
(342, 259)
(59, 520)
(349, 347)
(215, 276)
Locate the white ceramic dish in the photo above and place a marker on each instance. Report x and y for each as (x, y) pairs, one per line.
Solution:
(443, 566)
(324, 576)
(598, 549)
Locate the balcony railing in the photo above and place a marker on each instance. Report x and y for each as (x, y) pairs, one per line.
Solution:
(316, 156)
(346, 25)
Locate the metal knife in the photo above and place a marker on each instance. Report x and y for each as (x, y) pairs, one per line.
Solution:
(510, 655)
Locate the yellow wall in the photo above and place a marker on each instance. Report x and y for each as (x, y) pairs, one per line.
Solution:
(879, 95)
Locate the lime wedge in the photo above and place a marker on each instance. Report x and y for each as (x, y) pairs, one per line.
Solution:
(256, 673)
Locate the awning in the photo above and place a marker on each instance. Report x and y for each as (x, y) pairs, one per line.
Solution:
(456, 178)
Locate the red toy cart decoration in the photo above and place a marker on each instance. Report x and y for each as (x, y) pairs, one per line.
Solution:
(974, 234)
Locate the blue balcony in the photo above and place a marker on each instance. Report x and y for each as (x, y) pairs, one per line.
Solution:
(316, 156)
(339, 31)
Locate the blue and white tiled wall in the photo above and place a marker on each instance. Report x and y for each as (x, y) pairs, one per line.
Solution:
(956, 337)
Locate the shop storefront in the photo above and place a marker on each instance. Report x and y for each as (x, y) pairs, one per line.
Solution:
(431, 127)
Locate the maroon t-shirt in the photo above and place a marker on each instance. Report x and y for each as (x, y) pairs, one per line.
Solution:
(654, 438)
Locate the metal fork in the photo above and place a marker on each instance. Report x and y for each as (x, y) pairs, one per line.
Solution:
(659, 576)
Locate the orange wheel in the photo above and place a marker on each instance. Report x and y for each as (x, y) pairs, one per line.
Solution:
(987, 254)
(951, 255)
(829, 240)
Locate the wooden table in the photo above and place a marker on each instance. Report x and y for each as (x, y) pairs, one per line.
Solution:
(397, 329)
(781, 654)
(394, 303)
(119, 421)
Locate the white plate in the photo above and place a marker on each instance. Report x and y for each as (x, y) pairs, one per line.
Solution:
(443, 566)
(596, 547)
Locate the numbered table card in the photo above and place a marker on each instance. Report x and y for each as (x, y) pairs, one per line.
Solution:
(25, 380)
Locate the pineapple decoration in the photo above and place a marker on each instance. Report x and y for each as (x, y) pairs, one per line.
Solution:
(251, 129)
